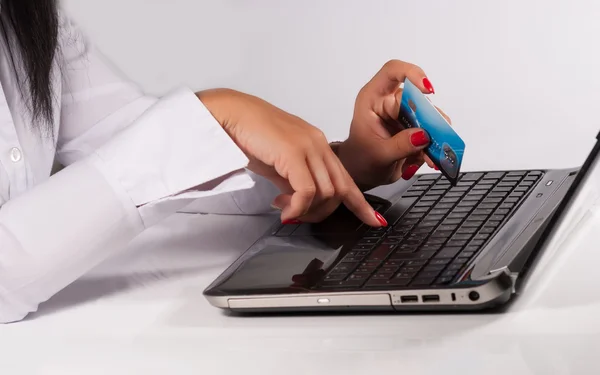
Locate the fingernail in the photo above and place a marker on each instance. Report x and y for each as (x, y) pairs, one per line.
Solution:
(419, 138)
(428, 85)
(291, 221)
(275, 207)
(410, 171)
(381, 219)
(436, 168)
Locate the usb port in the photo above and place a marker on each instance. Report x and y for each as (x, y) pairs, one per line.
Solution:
(431, 298)
(409, 299)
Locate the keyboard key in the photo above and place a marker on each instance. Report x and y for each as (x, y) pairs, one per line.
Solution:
(449, 273)
(363, 247)
(391, 241)
(516, 173)
(368, 241)
(494, 175)
(471, 177)
(467, 254)
(443, 206)
(454, 194)
(487, 230)
(393, 263)
(483, 211)
(448, 253)
(460, 261)
(430, 198)
(481, 236)
(359, 276)
(455, 267)
(456, 243)
(421, 255)
(441, 234)
(457, 215)
(381, 252)
(443, 280)
(430, 247)
(473, 197)
(462, 236)
(435, 241)
(419, 209)
(507, 206)
(492, 200)
(366, 269)
(404, 248)
(353, 258)
(502, 211)
(493, 224)
(478, 217)
(425, 230)
(412, 194)
(497, 217)
(490, 181)
(452, 221)
(534, 173)
(344, 268)
(467, 204)
(440, 262)
(477, 243)
(499, 194)
(520, 189)
(506, 179)
(487, 206)
(382, 276)
(471, 248)
(431, 274)
(439, 211)
(424, 203)
(472, 223)
(410, 269)
(405, 275)
(428, 177)
(463, 209)
(390, 269)
(507, 183)
(421, 182)
(439, 268)
(459, 188)
(415, 262)
(415, 187)
(526, 183)
(449, 200)
(445, 227)
(428, 223)
(417, 215)
(466, 230)
(335, 277)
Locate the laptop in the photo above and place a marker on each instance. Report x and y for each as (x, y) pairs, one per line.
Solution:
(448, 248)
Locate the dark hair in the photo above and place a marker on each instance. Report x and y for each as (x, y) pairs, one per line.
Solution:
(31, 31)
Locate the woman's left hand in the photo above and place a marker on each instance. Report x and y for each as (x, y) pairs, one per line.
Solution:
(378, 150)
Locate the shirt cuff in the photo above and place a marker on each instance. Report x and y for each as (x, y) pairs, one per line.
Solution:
(175, 146)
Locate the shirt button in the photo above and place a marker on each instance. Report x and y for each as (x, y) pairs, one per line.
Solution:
(15, 154)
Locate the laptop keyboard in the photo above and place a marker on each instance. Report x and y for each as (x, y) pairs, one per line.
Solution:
(433, 241)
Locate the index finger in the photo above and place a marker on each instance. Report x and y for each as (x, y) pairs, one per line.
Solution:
(351, 195)
(393, 73)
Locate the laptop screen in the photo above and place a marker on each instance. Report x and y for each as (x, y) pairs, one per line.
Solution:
(575, 207)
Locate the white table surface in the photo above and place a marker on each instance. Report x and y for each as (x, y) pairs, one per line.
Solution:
(144, 313)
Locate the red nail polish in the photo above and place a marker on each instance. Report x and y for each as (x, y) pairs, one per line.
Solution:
(291, 221)
(381, 219)
(419, 138)
(410, 171)
(436, 168)
(428, 85)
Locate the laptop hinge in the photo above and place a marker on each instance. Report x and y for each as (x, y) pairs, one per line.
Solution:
(506, 270)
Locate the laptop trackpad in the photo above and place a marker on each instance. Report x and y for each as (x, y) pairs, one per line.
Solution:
(282, 268)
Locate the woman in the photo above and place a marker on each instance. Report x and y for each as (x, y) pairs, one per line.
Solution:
(131, 160)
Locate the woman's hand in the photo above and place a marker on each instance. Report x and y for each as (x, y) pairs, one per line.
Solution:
(377, 151)
(291, 153)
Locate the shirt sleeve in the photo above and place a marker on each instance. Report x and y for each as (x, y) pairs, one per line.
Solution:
(131, 160)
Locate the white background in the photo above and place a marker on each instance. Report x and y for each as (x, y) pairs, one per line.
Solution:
(519, 78)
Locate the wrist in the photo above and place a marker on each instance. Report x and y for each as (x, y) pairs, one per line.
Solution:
(219, 103)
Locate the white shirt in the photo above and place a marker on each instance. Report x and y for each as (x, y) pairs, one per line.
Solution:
(130, 160)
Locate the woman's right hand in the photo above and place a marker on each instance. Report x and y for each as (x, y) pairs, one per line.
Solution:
(292, 154)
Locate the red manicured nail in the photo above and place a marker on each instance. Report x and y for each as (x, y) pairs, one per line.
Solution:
(419, 138)
(291, 221)
(436, 168)
(381, 219)
(410, 171)
(428, 85)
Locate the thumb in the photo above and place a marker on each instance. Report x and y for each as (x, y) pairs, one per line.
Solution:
(405, 143)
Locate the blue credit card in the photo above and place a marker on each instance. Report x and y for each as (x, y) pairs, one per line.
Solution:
(446, 148)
